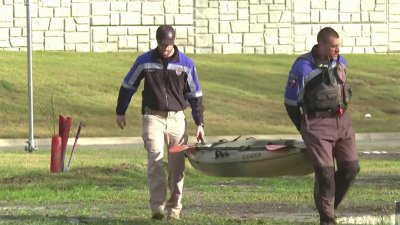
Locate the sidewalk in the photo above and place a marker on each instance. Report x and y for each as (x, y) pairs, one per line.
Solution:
(362, 138)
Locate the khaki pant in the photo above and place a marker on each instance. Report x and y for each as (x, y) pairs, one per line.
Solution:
(160, 128)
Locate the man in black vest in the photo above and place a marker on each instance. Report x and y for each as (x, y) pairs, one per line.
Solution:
(316, 100)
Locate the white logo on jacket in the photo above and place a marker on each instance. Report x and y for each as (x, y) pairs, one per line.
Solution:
(179, 70)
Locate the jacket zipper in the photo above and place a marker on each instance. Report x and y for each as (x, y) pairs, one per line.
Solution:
(166, 82)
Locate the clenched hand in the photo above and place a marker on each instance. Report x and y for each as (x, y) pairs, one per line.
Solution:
(120, 119)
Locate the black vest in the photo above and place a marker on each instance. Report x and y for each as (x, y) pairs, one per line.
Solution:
(326, 91)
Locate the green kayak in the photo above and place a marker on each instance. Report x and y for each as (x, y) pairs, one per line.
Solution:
(251, 158)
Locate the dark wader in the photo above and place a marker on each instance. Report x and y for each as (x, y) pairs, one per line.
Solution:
(330, 136)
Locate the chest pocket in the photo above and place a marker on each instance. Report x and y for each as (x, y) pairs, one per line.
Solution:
(177, 78)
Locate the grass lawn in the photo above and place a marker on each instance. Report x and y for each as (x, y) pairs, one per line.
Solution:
(107, 185)
(243, 94)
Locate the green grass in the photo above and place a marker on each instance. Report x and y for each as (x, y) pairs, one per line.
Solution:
(243, 94)
(108, 186)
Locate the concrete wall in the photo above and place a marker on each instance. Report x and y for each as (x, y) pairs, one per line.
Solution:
(203, 26)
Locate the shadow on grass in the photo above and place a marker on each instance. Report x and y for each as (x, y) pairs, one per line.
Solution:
(50, 220)
(120, 175)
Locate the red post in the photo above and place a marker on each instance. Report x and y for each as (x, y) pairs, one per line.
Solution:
(55, 160)
(64, 126)
(64, 139)
(61, 125)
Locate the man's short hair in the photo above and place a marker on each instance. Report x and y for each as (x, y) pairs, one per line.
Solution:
(326, 33)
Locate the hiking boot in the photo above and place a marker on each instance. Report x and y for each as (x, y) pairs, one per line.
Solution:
(173, 216)
(157, 216)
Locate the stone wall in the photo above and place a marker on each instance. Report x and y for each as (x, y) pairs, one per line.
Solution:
(203, 26)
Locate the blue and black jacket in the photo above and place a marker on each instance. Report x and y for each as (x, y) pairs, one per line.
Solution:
(302, 72)
(168, 84)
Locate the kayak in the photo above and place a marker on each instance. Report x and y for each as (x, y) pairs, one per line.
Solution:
(251, 158)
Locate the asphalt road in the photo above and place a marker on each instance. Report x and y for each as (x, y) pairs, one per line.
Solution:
(366, 142)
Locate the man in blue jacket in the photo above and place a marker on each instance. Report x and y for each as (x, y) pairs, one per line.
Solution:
(316, 98)
(170, 84)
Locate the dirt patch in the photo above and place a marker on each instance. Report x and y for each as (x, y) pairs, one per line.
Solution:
(386, 181)
(257, 210)
(17, 180)
(286, 211)
(120, 168)
(79, 173)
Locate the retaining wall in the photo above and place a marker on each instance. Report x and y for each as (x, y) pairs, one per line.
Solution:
(203, 26)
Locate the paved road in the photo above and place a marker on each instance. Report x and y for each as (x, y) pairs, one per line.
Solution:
(365, 141)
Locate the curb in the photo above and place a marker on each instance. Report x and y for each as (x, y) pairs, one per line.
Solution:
(361, 137)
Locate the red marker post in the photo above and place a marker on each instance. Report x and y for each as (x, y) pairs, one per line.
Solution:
(59, 144)
(55, 159)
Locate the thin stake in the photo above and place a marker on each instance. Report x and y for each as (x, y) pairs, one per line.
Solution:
(71, 157)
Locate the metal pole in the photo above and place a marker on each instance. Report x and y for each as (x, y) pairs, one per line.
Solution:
(31, 142)
(397, 213)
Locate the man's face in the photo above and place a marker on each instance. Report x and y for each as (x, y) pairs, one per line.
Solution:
(330, 49)
(165, 50)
